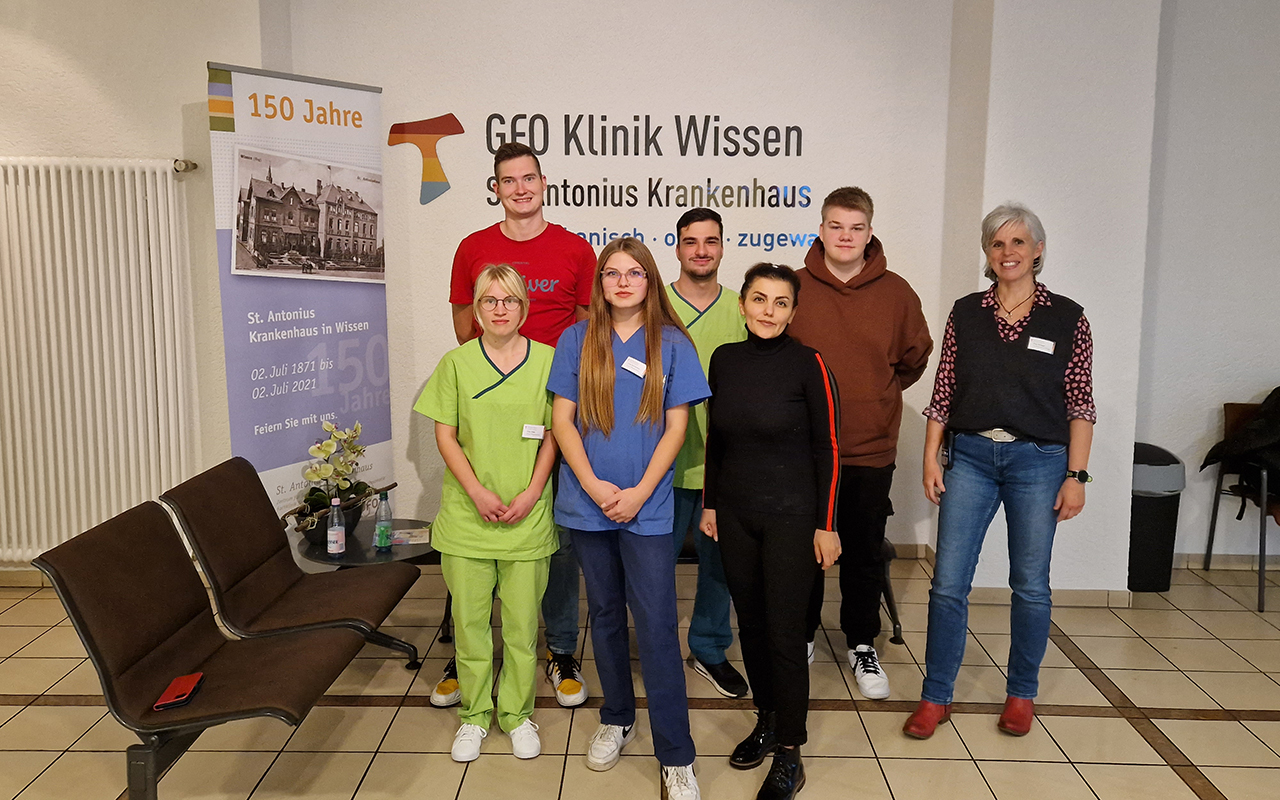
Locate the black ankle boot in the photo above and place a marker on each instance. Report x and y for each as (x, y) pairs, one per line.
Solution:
(786, 776)
(762, 741)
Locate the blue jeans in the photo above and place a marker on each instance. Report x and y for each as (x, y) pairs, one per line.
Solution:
(709, 631)
(1026, 478)
(560, 602)
(624, 571)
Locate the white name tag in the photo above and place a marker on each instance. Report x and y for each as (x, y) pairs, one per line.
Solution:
(634, 367)
(1043, 345)
(533, 432)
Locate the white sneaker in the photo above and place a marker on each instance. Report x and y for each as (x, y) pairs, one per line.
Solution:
(606, 746)
(811, 651)
(679, 783)
(872, 681)
(466, 742)
(524, 740)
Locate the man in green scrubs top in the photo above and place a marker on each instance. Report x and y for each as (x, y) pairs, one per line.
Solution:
(710, 312)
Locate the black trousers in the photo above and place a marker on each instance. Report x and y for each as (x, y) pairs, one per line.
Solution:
(862, 510)
(770, 567)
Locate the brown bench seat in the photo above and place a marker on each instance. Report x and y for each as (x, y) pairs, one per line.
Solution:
(139, 607)
(258, 587)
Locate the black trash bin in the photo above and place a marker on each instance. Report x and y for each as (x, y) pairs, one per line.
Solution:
(1158, 480)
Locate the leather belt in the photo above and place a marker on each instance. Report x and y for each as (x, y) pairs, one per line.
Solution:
(998, 435)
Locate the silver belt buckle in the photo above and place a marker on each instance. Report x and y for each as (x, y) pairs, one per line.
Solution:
(998, 435)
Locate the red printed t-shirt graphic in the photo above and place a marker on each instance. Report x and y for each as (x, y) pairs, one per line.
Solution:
(557, 266)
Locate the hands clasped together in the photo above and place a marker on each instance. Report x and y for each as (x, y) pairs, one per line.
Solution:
(492, 509)
(619, 505)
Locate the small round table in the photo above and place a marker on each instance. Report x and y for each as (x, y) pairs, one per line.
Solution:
(361, 552)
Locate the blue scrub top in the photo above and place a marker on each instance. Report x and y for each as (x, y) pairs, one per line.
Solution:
(623, 456)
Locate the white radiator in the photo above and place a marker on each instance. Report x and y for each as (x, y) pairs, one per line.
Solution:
(97, 371)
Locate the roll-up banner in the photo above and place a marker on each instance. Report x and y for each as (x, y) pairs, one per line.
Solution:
(297, 181)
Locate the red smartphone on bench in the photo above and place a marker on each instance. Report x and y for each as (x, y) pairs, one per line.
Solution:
(180, 691)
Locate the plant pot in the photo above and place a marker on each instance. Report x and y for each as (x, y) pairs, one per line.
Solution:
(316, 535)
(351, 516)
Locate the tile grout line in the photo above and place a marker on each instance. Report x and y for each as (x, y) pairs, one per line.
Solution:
(974, 759)
(1075, 767)
(564, 768)
(390, 724)
(1223, 642)
(1120, 706)
(274, 760)
(884, 776)
(1155, 738)
(1234, 713)
(1221, 712)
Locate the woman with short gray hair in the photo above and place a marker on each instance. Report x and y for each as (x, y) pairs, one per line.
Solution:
(1013, 400)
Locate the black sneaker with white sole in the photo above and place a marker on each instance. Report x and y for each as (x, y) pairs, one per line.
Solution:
(723, 677)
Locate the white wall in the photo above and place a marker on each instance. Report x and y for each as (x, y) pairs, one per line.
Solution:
(1048, 103)
(1211, 320)
(1080, 158)
(96, 79)
(102, 80)
(867, 81)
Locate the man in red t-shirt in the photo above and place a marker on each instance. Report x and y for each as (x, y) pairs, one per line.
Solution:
(557, 266)
(558, 269)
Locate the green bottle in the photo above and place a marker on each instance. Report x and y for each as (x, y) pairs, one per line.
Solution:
(382, 530)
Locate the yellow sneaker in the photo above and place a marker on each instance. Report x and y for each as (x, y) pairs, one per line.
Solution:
(566, 676)
(447, 692)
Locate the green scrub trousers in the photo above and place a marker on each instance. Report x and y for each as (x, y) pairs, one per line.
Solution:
(519, 585)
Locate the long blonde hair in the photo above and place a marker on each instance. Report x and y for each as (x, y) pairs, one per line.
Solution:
(596, 371)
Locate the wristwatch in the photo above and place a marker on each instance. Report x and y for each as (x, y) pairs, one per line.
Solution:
(1081, 475)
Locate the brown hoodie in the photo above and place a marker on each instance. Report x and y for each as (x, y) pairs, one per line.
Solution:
(873, 335)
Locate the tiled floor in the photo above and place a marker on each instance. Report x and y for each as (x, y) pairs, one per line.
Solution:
(1176, 697)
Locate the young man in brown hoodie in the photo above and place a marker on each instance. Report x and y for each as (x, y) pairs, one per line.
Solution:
(867, 323)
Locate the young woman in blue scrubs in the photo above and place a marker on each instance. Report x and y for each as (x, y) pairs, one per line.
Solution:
(623, 381)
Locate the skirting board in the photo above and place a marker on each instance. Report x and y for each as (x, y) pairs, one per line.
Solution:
(1078, 598)
(21, 576)
(1224, 561)
(913, 550)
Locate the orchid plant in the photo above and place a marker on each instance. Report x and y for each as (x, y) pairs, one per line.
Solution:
(334, 468)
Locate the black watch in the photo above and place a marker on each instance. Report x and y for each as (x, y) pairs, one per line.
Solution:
(1081, 475)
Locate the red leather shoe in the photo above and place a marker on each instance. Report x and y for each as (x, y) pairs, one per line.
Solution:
(1017, 716)
(926, 719)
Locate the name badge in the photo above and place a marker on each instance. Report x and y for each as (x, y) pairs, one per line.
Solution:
(635, 367)
(1043, 345)
(533, 432)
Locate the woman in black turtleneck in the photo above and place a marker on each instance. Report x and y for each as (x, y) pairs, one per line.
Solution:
(770, 501)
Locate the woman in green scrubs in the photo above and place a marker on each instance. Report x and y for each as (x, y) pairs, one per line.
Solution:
(495, 530)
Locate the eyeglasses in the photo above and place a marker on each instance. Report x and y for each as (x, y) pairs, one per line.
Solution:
(509, 303)
(612, 276)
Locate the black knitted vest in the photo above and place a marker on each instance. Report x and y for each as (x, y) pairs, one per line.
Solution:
(1013, 385)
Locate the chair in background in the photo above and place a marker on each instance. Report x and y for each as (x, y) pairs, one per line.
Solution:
(143, 615)
(259, 589)
(1234, 415)
(887, 554)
